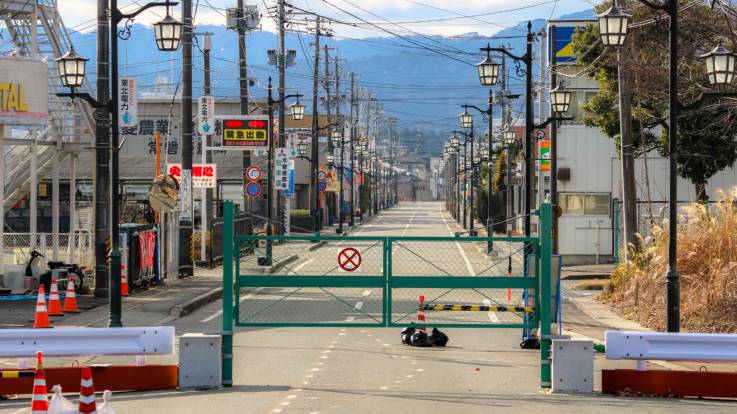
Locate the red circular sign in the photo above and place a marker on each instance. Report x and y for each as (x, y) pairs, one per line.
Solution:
(349, 259)
(253, 173)
(253, 189)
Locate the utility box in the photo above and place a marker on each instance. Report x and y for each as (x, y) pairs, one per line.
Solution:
(199, 361)
(573, 366)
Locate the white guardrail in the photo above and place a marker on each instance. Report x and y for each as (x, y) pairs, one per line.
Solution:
(69, 342)
(665, 346)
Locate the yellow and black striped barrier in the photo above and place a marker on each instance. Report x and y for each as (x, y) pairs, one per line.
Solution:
(17, 374)
(478, 308)
(108, 250)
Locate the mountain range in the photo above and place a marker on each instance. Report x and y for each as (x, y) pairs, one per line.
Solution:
(420, 80)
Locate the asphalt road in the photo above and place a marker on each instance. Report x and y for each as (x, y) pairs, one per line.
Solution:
(367, 370)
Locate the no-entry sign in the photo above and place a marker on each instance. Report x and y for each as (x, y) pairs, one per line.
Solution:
(349, 259)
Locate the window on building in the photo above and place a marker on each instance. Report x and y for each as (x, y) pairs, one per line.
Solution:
(589, 204)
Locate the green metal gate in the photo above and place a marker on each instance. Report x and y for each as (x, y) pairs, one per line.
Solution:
(352, 281)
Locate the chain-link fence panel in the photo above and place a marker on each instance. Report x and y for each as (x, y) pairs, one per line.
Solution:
(463, 282)
(459, 256)
(301, 280)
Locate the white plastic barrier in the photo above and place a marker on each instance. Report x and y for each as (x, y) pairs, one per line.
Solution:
(67, 342)
(666, 346)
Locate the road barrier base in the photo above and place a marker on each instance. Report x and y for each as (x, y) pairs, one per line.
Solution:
(666, 383)
(113, 378)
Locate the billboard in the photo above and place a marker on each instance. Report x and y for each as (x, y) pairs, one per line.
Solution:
(24, 90)
(243, 132)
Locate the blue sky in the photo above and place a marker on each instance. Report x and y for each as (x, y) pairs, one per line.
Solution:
(409, 15)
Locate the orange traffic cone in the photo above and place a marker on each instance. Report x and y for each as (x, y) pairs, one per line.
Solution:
(70, 300)
(42, 315)
(421, 315)
(39, 403)
(124, 280)
(87, 404)
(54, 301)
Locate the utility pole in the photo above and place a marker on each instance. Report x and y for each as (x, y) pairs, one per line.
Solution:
(282, 52)
(243, 91)
(341, 170)
(353, 139)
(553, 147)
(529, 124)
(187, 219)
(206, 210)
(371, 203)
(102, 153)
(326, 85)
(315, 154)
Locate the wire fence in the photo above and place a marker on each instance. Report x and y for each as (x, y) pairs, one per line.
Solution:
(77, 248)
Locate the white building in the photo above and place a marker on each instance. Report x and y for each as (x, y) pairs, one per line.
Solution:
(589, 180)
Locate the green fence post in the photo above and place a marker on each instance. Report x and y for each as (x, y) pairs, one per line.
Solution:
(228, 247)
(545, 263)
(388, 281)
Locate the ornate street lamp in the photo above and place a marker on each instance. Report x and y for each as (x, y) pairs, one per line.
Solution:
(613, 25)
(298, 110)
(336, 136)
(484, 154)
(302, 148)
(560, 99)
(455, 141)
(168, 33)
(466, 119)
(720, 65)
(331, 159)
(488, 69)
(509, 138)
(72, 68)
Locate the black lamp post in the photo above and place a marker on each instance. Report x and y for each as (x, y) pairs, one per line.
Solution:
(720, 66)
(72, 71)
(456, 147)
(467, 169)
(525, 59)
(337, 137)
(467, 123)
(509, 139)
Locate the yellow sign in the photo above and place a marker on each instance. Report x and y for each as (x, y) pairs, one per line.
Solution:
(23, 92)
(12, 97)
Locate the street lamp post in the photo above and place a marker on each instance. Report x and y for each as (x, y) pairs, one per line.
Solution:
(720, 67)
(72, 72)
(488, 114)
(526, 59)
(467, 123)
(337, 137)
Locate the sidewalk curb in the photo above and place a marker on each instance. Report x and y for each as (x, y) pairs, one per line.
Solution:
(276, 266)
(316, 246)
(195, 303)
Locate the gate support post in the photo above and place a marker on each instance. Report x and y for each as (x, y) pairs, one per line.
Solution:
(228, 265)
(546, 233)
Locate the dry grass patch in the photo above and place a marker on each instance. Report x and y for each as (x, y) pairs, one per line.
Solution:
(707, 263)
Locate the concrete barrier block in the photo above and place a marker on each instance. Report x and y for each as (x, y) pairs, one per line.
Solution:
(199, 361)
(573, 366)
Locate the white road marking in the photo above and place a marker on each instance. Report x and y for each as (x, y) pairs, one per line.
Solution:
(460, 249)
(492, 315)
(366, 292)
(298, 268)
(358, 306)
(220, 312)
(349, 319)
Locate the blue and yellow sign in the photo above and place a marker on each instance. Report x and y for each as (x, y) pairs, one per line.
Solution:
(563, 32)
